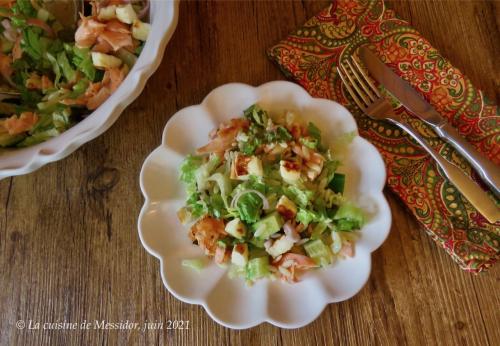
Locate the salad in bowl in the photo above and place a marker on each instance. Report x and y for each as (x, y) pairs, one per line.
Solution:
(78, 91)
(265, 196)
(57, 78)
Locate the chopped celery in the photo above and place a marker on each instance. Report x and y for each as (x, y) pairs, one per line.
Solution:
(257, 242)
(257, 268)
(236, 272)
(78, 89)
(196, 264)
(318, 230)
(318, 251)
(256, 252)
(268, 225)
(38, 137)
(349, 217)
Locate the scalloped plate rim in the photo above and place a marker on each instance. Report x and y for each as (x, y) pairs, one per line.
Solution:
(202, 302)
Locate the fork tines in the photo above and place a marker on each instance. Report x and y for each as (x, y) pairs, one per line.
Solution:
(359, 85)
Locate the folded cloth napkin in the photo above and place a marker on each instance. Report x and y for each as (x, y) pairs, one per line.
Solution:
(310, 55)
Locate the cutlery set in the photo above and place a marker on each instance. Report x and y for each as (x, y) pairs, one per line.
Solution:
(368, 98)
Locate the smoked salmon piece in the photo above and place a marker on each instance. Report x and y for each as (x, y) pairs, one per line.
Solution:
(16, 125)
(88, 31)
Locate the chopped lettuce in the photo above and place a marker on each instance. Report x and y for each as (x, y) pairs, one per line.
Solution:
(311, 143)
(196, 206)
(68, 71)
(188, 168)
(256, 115)
(216, 206)
(249, 207)
(31, 43)
(278, 135)
(306, 216)
(224, 185)
(314, 132)
(81, 58)
(203, 172)
(24, 7)
(188, 172)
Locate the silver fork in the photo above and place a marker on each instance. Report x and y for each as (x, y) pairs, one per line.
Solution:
(368, 98)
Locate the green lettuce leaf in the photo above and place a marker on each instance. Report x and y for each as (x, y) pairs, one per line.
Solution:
(31, 44)
(314, 132)
(203, 172)
(256, 115)
(24, 7)
(188, 172)
(249, 207)
(305, 216)
(216, 206)
(224, 186)
(196, 206)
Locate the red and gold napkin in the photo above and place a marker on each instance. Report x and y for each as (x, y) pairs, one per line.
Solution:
(310, 55)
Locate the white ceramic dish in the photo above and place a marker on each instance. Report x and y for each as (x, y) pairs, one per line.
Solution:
(163, 19)
(230, 302)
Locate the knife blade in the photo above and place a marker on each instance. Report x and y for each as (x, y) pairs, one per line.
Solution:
(414, 102)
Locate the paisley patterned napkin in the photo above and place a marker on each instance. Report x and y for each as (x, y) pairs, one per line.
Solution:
(310, 56)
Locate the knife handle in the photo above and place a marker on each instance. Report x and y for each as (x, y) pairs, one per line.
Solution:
(489, 172)
(467, 187)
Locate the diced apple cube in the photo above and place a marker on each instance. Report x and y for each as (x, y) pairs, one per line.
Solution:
(243, 166)
(286, 208)
(290, 171)
(105, 60)
(280, 246)
(236, 228)
(255, 166)
(126, 14)
(107, 13)
(140, 30)
(239, 255)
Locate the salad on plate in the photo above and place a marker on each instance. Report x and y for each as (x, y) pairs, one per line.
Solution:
(265, 198)
(56, 79)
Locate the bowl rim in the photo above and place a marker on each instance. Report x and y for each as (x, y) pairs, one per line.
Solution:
(26, 160)
(203, 302)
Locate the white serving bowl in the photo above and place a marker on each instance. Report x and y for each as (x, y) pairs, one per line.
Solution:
(230, 302)
(163, 18)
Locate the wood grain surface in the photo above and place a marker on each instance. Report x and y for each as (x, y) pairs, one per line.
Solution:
(69, 248)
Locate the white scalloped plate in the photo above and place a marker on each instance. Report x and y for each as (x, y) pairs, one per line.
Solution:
(230, 302)
(163, 19)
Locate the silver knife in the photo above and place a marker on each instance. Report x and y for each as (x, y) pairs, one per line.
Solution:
(413, 101)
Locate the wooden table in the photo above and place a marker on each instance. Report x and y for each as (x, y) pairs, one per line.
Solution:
(69, 249)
